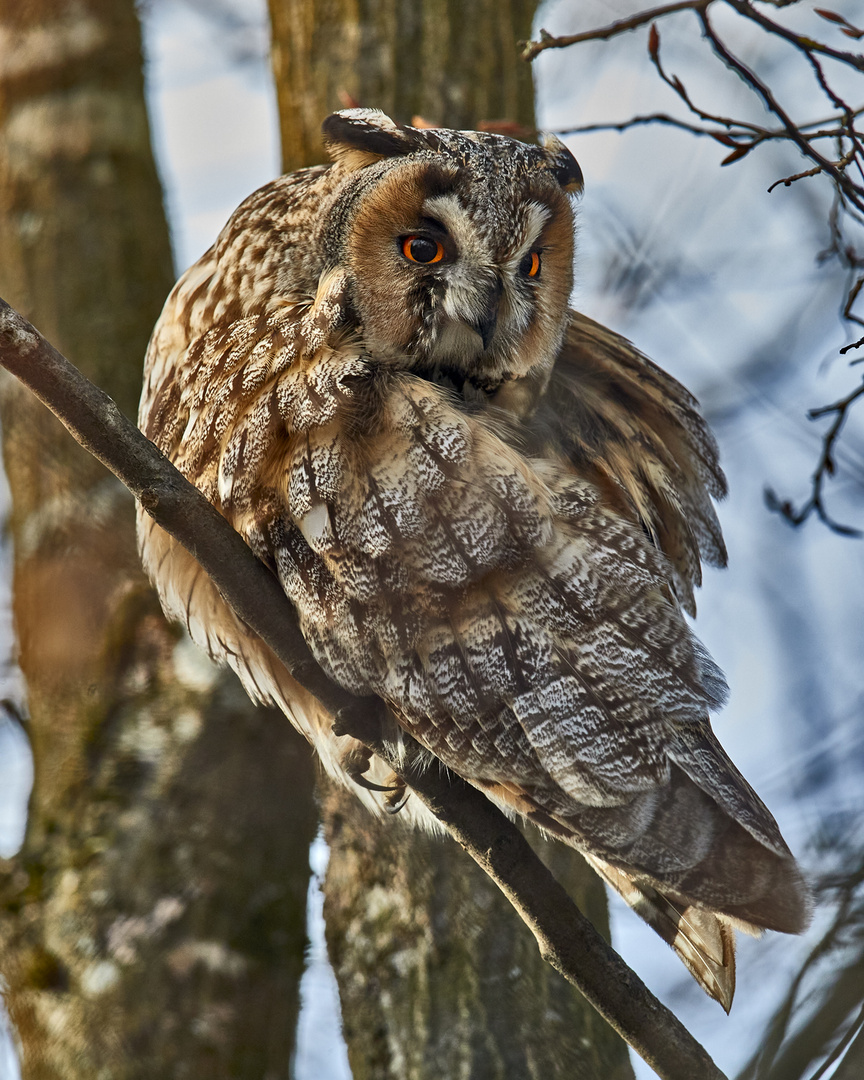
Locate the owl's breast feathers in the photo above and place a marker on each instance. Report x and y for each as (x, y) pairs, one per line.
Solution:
(510, 583)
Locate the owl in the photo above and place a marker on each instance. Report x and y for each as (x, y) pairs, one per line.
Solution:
(485, 509)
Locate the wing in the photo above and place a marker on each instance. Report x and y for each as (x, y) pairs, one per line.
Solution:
(516, 613)
(610, 409)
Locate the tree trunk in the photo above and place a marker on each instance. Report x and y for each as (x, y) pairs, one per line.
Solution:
(437, 975)
(154, 922)
(451, 62)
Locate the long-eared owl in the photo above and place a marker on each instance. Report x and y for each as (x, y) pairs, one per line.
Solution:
(485, 508)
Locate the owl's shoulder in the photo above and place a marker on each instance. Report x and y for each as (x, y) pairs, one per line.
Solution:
(278, 204)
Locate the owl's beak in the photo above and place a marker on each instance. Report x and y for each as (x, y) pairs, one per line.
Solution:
(485, 323)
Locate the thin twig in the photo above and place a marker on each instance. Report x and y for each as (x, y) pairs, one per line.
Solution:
(825, 469)
(831, 119)
(787, 181)
(852, 191)
(566, 938)
(808, 44)
(530, 49)
(848, 313)
(675, 84)
(848, 114)
(639, 121)
(729, 136)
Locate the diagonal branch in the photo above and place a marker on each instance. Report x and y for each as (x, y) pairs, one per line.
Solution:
(566, 939)
(745, 8)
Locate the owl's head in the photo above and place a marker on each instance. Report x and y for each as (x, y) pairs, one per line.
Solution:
(456, 246)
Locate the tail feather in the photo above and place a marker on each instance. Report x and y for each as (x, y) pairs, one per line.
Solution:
(704, 941)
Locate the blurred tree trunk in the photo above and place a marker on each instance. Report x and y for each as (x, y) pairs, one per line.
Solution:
(452, 62)
(154, 922)
(437, 975)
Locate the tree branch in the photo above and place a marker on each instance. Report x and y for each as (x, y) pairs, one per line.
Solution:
(530, 49)
(788, 181)
(852, 191)
(567, 940)
(808, 44)
(725, 135)
(825, 469)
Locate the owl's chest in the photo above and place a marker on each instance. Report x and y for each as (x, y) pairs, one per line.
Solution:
(380, 503)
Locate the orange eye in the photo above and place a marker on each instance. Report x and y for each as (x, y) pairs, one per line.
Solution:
(421, 249)
(530, 264)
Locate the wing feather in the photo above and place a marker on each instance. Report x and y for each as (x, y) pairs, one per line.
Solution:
(608, 406)
(506, 587)
(704, 942)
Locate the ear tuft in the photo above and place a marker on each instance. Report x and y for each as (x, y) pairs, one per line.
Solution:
(562, 163)
(360, 137)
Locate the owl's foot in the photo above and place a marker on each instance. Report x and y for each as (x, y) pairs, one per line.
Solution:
(356, 762)
(399, 795)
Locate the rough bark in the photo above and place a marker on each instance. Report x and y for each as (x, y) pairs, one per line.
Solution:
(154, 922)
(451, 62)
(426, 950)
(436, 977)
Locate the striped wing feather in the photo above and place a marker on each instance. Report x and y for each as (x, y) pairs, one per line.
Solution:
(609, 407)
(515, 611)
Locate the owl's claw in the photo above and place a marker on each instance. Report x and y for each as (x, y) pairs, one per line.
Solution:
(356, 764)
(397, 798)
(369, 785)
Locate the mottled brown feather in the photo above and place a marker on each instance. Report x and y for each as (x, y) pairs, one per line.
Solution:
(497, 542)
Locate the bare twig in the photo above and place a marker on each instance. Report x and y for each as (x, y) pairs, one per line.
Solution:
(530, 49)
(729, 135)
(825, 469)
(851, 190)
(787, 181)
(808, 44)
(674, 83)
(565, 937)
(848, 313)
(847, 112)
(742, 136)
(640, 121)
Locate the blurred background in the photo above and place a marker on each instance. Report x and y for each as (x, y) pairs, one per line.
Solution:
(162, 917)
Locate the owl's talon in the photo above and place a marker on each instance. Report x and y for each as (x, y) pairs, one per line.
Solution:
(370, 785)
(397, 798)
(356, 763)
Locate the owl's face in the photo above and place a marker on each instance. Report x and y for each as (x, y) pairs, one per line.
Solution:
(457, 246)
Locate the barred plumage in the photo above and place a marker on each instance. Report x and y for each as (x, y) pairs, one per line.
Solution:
(485, 508)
